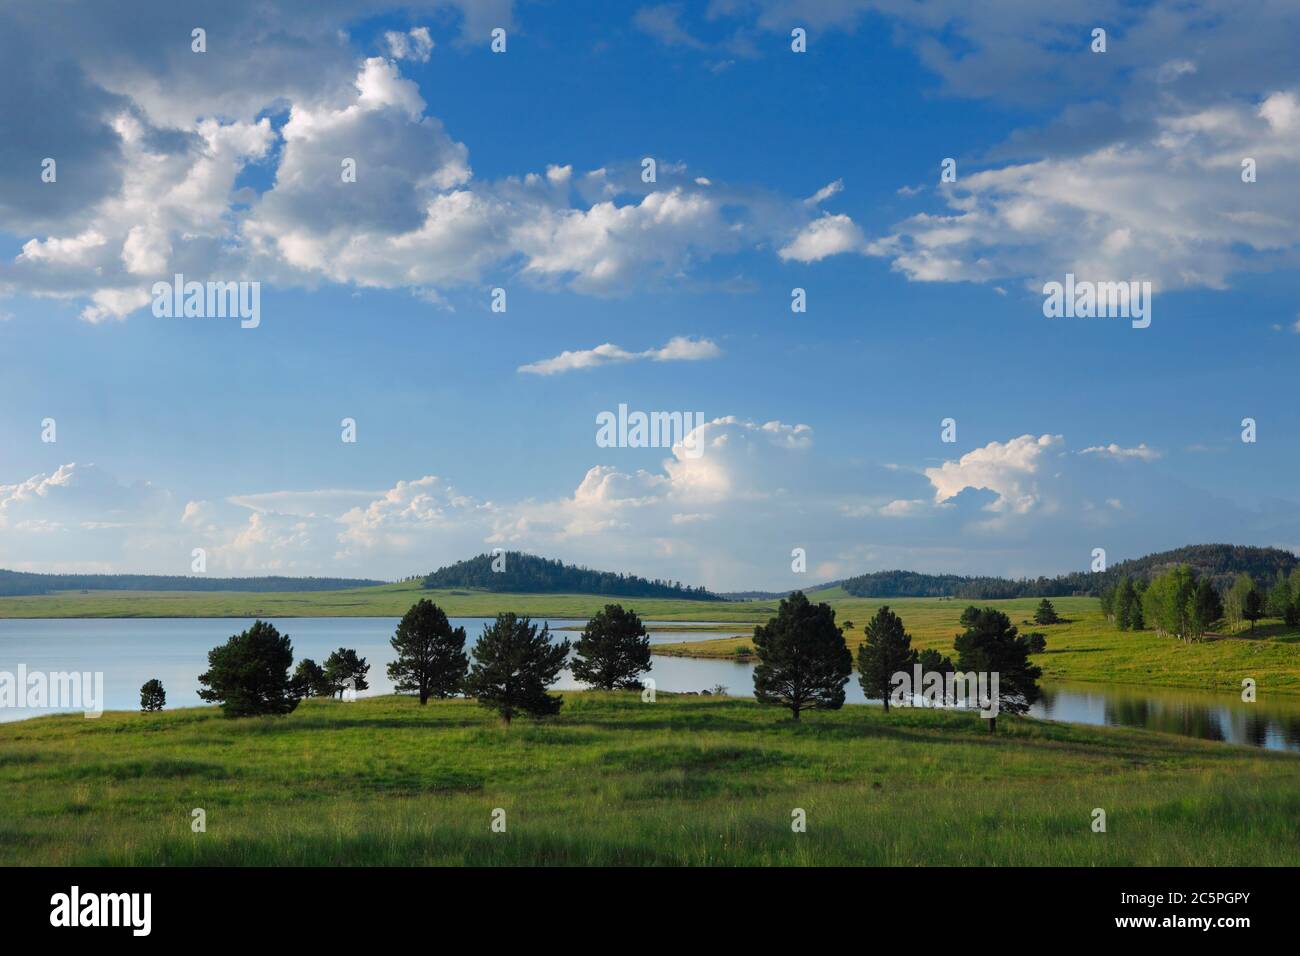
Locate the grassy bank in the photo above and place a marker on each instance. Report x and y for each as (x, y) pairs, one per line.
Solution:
(612, 780)
(389, 600)
(1086, 648)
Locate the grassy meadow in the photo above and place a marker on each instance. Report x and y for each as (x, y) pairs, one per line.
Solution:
(1086, 648)
(388, 600)
(612, 780)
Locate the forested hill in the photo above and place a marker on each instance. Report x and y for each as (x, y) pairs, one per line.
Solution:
(1220, 562)
(529, 574)
(14, 583)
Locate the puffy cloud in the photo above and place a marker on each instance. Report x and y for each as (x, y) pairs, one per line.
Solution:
(827, 236)
(678, 349)
(172, 134)
(1005, 468)
(1170, 207)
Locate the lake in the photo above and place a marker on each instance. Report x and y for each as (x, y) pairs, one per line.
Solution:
(131, 651)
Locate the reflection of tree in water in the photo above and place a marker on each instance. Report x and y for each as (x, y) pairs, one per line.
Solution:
(1047, 701)
(1204, 718)
(1291, 730)
(1128, 711)
(1256, 728)
(1171, 717)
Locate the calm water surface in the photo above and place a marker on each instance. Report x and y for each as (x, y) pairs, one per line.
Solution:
(131, 651)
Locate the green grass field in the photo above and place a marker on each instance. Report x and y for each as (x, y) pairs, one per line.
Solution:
(388, 600)
(612, 780)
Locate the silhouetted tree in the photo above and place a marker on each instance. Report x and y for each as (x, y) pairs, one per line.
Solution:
(803, 662)
(514, 663)
(152, 695)
(614, 650)
(249, 674)
(430, 653)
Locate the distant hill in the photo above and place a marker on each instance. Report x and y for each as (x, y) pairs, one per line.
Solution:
(529, 574)
(1220, 562)
(14, 583)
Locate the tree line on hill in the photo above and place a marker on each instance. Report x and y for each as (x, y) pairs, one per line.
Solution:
(1220, 563)
(1185, 604)
(20, 583)
(803, 661)
(516, 572)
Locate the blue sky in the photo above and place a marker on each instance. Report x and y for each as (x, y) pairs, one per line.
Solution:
(520, 170)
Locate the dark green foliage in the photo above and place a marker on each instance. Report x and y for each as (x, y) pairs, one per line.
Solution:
(1218, 562)
(152, 695)
(886, 650)
(529, 574)
(614, 650)
(344, 670)
(1128, 606)
(969, 616)
(1207, 609)
(1046, 613)
(514, 663)
(249, 674)
(431, 656)
(932, 661)
(1037, 642)
(1253, 609)
(309, 680)
(1109, 596)
(1169, 604)
(1279, 597)
(803, 662)
(990, 644)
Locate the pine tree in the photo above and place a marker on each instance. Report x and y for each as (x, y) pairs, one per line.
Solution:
(990, 645)
(614, 650)
(249, 674)
(803, 660)
(886, 651)
(514, 663)
(1127, 606)
(1253, 608)
(431, 656)
(344, 670)
(309, 680)
(1206, 609)
(1046, 613)
(152, 696)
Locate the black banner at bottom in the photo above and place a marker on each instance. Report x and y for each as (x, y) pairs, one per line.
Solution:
(336, 905)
